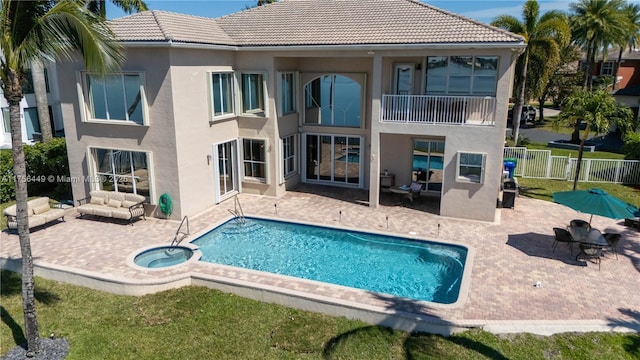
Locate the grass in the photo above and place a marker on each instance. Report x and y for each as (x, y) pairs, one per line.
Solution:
(543, 188)
(201, 323)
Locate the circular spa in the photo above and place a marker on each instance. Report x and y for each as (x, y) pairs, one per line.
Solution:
(163, 256)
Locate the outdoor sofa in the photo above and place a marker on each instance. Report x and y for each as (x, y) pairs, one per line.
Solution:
(112, 204)
(39, 212)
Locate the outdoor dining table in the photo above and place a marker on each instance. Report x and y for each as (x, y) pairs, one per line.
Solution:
(587, 235)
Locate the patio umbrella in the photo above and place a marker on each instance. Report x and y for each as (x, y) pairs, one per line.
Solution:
(596, 202)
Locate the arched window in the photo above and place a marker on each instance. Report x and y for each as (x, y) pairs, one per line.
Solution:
(333, 100)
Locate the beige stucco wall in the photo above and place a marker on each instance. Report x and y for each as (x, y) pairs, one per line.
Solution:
(180, 135)
(158, 138)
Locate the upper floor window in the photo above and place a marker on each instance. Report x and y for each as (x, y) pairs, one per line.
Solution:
(254, 158)
(222, 94)
(116, 97)
(333, 100)
(287, 92)
(461, 75)
(606, 68)
(252, 88)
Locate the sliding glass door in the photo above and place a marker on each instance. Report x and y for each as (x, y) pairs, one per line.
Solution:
(428, 156)
(225, 169)
(333, 159)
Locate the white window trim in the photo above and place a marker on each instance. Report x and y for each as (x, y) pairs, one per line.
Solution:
(264, 180)
(83, 93)
(92, 168)
(296, 158)
(234, 96)
(279, 90)
(610, 67)
(309, 77)
(265, 95)
(465, 179)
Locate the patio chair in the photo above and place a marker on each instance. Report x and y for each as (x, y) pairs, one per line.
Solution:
(590, 252)
(562, 236)
(612, 240)
(579, 223)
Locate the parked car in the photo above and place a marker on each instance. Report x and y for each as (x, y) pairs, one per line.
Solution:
(528, 115)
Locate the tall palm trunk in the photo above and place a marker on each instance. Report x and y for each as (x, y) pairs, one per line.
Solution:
(616, 68)
(13, 93)
(579, 163)
(517, 107)
(42, 102)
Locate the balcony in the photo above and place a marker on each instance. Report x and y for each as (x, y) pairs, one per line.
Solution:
(436, 109)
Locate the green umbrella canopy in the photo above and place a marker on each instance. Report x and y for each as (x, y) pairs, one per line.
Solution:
(596, 202)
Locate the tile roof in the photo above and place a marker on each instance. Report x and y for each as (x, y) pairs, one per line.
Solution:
(315, 22)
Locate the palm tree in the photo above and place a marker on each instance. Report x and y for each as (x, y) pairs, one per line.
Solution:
(596, 24)
(36, 30)
(541, 34)
(97, 7)
(599, 110)
(632, 12)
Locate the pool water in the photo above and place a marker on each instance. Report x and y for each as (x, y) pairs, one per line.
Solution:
(420, 162)
(413, 269)
(163, 256)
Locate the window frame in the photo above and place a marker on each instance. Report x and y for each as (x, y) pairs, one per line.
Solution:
(264, 163)
(293, 92)
(462, 178)
(473, 77)
(6, 119)
(95, 175)
(358, 78)
(607, 68)
(232, 93)
(256, 112)
(86, 100)
(285, 172)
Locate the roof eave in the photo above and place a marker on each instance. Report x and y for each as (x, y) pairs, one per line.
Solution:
(515, 46)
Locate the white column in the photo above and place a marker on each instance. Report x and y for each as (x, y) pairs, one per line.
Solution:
(374, 153)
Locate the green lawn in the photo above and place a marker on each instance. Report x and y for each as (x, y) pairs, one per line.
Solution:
(200, 323)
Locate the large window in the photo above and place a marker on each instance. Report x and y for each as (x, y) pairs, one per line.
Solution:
(253, 94)
(32, 122)
(287, 93)
(118, 97)
(222, 93)
(333, 100)
(470, 167)
(122, 171)
(6, 120)
(28, 86)
(606, 68)
(289, 158)
(254, 159)
(461, 75)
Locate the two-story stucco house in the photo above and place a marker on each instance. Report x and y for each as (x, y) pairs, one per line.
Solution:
(332, 92)
(29, 110)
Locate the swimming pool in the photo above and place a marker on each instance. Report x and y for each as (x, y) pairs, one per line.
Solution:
(402, 267)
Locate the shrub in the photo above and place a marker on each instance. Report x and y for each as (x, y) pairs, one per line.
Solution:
(631, 147)
(45, 163)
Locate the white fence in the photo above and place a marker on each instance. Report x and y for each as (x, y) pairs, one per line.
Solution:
(541, 164)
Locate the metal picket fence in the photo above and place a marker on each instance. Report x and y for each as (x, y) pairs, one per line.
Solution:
(542, 165)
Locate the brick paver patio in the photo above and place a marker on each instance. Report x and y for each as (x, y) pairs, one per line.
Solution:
(510, 256)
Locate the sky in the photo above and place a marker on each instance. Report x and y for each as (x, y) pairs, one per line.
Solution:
(481, 10)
